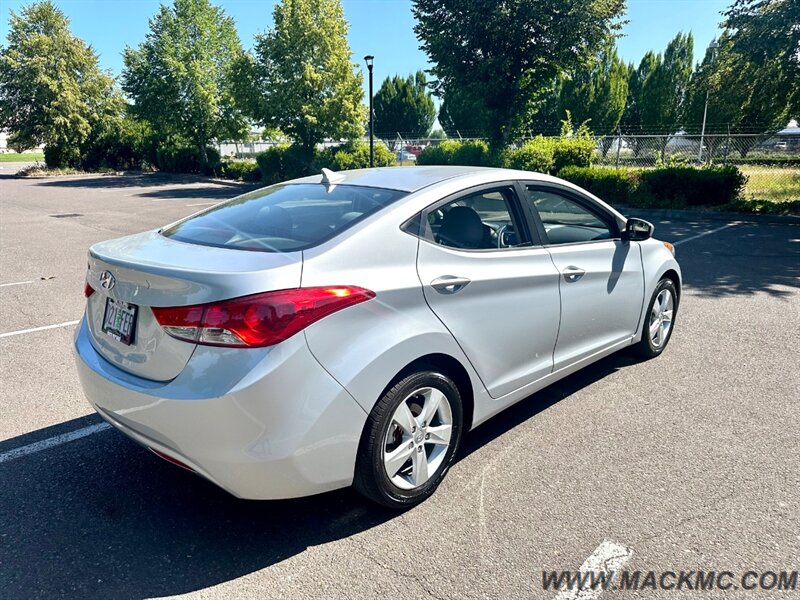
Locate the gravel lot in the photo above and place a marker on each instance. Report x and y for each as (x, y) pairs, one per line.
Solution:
(690, 461)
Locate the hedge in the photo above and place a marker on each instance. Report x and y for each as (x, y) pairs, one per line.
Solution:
(666, 187)
(186, 159)
(541, 154)
(474, 153)
(241, 170)
(284, 162)
(352, 155)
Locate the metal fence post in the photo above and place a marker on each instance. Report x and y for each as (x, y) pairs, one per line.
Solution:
(619, 144)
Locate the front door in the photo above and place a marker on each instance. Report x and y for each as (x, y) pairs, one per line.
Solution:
(600, 276)
(494, 290)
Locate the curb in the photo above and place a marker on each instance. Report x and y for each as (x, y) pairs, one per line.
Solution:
(668, 213)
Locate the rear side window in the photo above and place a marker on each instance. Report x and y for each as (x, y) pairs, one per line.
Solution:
(283, 218)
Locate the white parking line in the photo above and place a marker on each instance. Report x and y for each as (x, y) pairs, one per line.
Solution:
(607, 557)
(15, 283)
(53, 441)
(705, 233)
(203, 204)
(31, 330)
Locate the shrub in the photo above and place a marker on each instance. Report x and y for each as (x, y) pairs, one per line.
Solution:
(60, 156)
(243, 170)
(282, 162)
(609, 184)
(473, 153)
(574, 151)
(535, 155)
(185, 159)
(439, 154)
(665, 187)
(710, 186)
(353, 155)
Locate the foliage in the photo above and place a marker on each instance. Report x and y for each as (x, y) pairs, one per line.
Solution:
(124, 144)
(665, 187)
(187, 159)
(505, 56)
(574, 146)
(404, 105)
(242, 170)
(283, 162)
(52, 90)
(474, 153)
(770, 184)
(598, 93)
(353, 155)
(180, 76)
(663, 93)
(765, 33)
(535, 155)
(438, 154)
(708, 186)
(302, 77)
(742, 97)
(462, 115)
(615, 186)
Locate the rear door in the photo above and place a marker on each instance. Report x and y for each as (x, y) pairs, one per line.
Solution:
(601, 280)
(491, 285)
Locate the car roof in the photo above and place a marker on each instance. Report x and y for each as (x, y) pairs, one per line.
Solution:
(411, 179)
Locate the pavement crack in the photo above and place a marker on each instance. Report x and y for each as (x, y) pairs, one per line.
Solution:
(397, 572)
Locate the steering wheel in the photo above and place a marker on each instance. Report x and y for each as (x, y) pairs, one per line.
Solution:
(500, 231)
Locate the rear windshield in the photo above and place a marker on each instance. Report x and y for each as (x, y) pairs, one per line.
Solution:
(283, 218)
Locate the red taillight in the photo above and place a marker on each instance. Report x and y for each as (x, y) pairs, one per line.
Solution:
(88, 290)
(258, 320)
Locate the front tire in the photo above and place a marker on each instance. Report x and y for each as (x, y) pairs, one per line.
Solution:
(659, 320)
(410, 440)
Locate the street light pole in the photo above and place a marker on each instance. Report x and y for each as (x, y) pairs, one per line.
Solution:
(713, 47)
(369, 60)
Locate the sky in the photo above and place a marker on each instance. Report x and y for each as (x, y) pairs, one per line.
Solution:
(383, 28)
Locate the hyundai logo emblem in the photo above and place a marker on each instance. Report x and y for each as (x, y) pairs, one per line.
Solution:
(107, 280)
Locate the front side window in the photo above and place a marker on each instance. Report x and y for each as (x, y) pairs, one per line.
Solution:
(283, 218)
(480, 221)
(565, 220)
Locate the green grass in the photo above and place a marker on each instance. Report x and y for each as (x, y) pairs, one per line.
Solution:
(25, 157)
(770, 190)
(772, 184)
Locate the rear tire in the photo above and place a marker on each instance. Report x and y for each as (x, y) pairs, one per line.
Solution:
(659, 321)
(410, 440)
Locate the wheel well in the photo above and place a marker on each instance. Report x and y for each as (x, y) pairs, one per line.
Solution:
(451, 367)
(673, 276)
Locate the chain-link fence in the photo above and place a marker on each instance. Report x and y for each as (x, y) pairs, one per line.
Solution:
(770, 161)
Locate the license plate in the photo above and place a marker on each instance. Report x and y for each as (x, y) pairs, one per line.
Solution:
(119, 320)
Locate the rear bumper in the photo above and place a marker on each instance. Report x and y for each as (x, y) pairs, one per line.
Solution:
(261, 423)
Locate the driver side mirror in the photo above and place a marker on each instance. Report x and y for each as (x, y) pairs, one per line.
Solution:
(637, 230)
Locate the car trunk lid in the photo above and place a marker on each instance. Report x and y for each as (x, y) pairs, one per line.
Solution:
(132, 274)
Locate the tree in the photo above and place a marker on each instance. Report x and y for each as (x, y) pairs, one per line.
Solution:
(507, 55)
(597, 94)
(180, 76)
(766, 33)
(631, 122)
(305, 81)
(52, 90)
(461, 115)
(742, 98)
(404, 105)
(663, 94)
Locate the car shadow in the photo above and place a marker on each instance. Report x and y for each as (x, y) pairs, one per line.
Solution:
(102, 517)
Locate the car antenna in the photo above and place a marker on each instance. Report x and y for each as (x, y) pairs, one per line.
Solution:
(331, 178)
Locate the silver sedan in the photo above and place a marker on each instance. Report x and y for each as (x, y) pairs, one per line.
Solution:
(349, 328)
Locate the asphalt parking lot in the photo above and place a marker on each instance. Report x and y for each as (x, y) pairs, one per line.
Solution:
(689, 461)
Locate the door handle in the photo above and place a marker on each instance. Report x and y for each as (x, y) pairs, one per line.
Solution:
(449, 284)
(572, 273)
